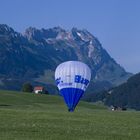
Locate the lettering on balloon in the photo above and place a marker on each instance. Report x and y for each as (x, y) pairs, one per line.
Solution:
(80, 79)
(58, 80)
(77, 79)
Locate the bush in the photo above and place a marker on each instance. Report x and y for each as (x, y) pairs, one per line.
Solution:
(27, 87)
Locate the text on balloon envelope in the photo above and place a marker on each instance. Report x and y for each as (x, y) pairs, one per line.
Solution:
(80, 79)
(77, 79)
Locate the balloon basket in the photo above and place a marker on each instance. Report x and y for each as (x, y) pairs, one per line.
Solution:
(70, 110)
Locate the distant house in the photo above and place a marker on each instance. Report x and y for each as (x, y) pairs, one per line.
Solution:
(39, 89)
(115, 108)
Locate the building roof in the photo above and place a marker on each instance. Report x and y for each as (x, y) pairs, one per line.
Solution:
(38, 88)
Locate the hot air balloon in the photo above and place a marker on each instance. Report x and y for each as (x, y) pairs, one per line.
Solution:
(72, 79)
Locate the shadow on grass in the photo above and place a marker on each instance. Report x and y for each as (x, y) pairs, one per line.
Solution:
(1, 105)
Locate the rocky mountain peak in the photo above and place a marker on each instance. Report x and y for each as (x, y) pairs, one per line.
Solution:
(40, 34)
(82, 35)
(32, 33)
(8, 33)
(4, 29)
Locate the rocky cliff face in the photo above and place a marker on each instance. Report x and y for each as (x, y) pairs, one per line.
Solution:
(34, 55)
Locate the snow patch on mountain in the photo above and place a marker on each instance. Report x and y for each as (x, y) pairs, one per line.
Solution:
(91, 49)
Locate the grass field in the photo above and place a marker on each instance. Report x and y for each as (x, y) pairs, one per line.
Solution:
(26, 116)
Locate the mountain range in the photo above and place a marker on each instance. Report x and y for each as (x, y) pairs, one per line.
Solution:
(33, 56)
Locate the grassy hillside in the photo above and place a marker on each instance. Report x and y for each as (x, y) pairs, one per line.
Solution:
(25, 116)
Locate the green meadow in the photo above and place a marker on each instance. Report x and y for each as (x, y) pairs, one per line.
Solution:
(27, 116)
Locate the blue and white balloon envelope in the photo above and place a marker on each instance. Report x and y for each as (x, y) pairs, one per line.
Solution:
(72, 79)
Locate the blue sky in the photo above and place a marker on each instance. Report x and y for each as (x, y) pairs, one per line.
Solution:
(116, 23)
